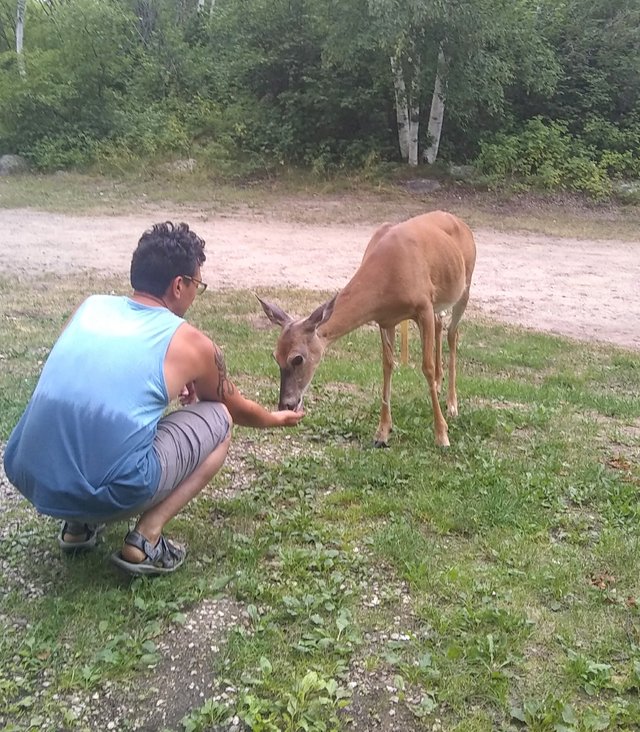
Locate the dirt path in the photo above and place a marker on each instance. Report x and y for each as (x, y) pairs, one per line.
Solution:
(579, 288)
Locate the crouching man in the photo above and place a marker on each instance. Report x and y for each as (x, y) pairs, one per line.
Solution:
(94, 445)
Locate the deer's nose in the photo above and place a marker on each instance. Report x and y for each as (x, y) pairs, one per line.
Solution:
(288, 404)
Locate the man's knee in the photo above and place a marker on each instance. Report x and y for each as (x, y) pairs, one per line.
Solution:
(218, 419)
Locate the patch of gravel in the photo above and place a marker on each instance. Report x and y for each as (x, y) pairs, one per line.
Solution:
(9, 496)
(623, 442)
(20, 532)
(161, 696)
(251, 447)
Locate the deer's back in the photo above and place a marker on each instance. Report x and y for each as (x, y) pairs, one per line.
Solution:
(430, 255)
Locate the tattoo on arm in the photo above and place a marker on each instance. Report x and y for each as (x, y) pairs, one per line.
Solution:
(225, 387)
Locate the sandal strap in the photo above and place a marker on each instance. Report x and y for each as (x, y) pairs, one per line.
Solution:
(163, 554)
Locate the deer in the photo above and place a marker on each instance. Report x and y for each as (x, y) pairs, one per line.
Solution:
(414, 270)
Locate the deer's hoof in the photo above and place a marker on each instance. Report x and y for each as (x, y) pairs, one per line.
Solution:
(443, 441)
(452, 410)
(380, 443)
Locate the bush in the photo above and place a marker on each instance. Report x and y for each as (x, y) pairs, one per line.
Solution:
(579, 173)
(62, 152)
(543, 155)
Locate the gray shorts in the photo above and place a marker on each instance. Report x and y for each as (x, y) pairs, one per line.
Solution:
(185, 438)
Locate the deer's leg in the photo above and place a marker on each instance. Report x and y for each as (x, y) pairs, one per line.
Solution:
(452, 339)
(388, 337)
(427, 324)
(438, 362)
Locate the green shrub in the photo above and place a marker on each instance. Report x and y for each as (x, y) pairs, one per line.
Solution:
(579, 173)
(62, 152)
(546, 156)
(541, 149)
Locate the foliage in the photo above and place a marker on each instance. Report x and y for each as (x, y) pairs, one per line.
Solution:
(247, 87)
(74, 85)
(546, 156)
(597, 45)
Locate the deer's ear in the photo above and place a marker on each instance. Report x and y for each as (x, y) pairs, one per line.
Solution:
(275, 314)
(321, 314)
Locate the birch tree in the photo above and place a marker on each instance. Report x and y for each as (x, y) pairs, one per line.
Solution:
(407, 110)
(403, 28)
(436, 115)
(469, 48)
(202, 5)
(20, 13)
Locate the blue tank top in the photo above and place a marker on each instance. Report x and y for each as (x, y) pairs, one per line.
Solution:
(84, 445)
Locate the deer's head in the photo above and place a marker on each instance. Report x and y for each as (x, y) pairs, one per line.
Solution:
(298, 351)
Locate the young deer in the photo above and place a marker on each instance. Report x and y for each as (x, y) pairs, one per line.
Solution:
(414, 270)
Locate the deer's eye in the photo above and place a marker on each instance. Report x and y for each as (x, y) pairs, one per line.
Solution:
(297, 361)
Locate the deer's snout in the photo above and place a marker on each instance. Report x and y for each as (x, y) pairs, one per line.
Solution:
(294, 405)
(290, 396)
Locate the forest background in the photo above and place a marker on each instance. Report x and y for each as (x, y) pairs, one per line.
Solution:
(540, 94)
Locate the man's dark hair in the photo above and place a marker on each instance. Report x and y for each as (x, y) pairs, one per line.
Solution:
(164, 252)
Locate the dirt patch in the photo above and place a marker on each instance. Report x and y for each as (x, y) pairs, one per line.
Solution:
(585, 289)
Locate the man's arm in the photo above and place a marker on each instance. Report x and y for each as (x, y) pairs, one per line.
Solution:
(245, 411)
(193, 357)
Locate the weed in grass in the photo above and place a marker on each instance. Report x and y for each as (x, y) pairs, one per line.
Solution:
(210, 713)
(590, 675)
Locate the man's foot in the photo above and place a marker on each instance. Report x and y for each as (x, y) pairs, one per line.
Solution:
(74, 537)
(162, 558)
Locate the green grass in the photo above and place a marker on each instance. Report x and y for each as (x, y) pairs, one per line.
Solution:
(303, 197)
(491, 586)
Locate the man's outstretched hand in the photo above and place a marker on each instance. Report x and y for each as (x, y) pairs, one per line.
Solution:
(287, 418)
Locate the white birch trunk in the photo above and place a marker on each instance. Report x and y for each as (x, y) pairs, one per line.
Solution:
(20, 36)
(407, 111)
(402, 106)
(414, 124)
(436, 116)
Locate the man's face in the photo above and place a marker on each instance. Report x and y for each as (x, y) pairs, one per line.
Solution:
(188, 292)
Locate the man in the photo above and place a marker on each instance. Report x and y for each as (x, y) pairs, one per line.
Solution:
(93, 446)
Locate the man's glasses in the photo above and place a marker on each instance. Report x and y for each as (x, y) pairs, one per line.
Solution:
(202, 286)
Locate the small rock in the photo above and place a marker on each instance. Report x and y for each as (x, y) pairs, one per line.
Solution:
(13, 164)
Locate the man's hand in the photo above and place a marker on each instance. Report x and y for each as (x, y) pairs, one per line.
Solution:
(188, 394)
(287, 418)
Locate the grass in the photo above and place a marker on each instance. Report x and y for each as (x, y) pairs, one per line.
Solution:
(492, 586)
(302, 197)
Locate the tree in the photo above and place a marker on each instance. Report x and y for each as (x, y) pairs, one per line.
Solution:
(597, 44)
(459, 49)
(20, 36)
(436, 115)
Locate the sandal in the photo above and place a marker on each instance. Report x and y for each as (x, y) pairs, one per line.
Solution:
(91, 533)
(163, 558)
